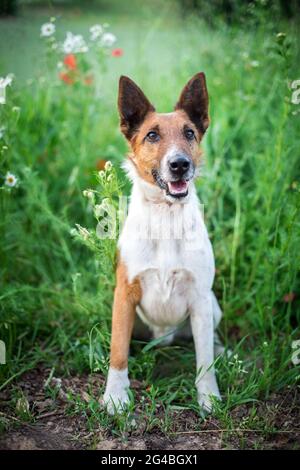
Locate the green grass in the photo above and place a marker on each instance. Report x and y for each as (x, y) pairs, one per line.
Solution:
(56, 294)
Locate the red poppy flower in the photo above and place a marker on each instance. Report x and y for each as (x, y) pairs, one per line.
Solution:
(118, 52)
(70, 61)
(65, 77)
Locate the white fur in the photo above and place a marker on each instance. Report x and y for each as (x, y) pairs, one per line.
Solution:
(116, 393)
(176, 271)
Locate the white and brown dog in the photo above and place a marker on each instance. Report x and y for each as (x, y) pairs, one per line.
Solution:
(166, 276)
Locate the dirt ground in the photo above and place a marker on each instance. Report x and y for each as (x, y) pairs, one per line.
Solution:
(52, 426)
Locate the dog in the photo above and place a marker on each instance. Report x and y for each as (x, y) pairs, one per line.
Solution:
(166, 280)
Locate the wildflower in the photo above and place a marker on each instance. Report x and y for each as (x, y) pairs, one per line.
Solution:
(4, 82)
(296, 352)
(88, 193)
(280, 38)
(2, 130)
(73, 232)
(47, 29)
(10, 179)
(60, 65)
(96, 31)
(74, 43)
(105, 202)
(101, 174)
(65, 77)
(70, 61)
(108, 39)
(83, 232)
(108, 165)
(110, 178)
(118, 52)
(98, 210)
(254, 63)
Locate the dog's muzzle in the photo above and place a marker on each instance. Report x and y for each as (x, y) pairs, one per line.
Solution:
(175, 175)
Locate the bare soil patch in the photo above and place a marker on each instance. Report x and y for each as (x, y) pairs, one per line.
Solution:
(54, 425)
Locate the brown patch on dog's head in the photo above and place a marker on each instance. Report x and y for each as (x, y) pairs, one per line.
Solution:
(162, 141)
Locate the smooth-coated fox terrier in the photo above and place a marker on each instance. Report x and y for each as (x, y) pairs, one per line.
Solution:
(166, 268)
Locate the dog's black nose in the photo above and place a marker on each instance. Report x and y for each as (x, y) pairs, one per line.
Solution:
(179, 165)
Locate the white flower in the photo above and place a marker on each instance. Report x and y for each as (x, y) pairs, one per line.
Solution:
(108, 165)
(4, 82)
(105, 203)
(254, 63)
(88, 193)
(98, 210)
(47, 30)
(2, 131)
(83, 232)
(108, 39)
(74, 43)
(296, 352)
(10, 179)
(96, 31)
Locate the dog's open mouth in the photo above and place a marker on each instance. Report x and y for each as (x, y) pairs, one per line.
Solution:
(178, 188)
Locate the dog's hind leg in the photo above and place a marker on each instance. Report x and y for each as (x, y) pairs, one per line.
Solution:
(217, 313)
(219, 348)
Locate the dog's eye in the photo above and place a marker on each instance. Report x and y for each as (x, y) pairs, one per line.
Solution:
(189, 134)
(152, 136)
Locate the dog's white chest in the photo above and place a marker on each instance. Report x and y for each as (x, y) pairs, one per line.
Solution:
(166, 285)
(171, 255)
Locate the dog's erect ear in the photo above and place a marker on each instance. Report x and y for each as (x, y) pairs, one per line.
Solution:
(133, 106)
(194, 101)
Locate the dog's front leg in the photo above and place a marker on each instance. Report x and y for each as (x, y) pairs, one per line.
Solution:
(202, 323)
(125, 300)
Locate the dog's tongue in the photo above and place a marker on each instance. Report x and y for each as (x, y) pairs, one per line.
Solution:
(177, 187)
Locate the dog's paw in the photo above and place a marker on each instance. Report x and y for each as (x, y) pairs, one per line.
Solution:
(116, 397)
(208, 392)
(116, 401)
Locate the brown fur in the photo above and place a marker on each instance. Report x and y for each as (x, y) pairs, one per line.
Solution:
(147, 156)
(127, 296)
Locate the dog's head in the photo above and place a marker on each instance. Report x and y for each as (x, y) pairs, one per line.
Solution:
(165, 147)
